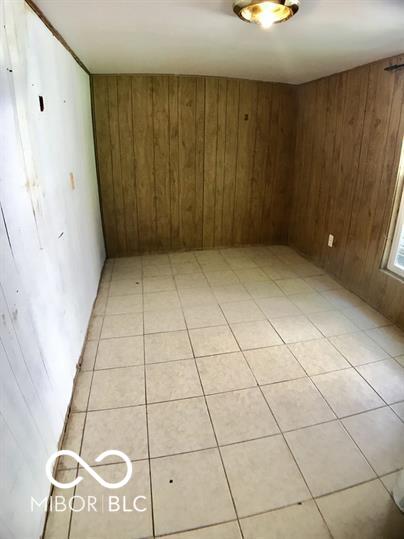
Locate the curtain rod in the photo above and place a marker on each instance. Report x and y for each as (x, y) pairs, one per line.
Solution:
(394, 67)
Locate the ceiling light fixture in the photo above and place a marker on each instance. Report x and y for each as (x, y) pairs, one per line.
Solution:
(265, 12)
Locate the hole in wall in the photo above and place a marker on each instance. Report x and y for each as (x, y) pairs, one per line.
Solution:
(41, 103)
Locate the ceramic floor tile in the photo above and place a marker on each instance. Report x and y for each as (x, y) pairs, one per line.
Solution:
(158, 284)
(94, 328)
(302, 521)
(125, 287)
(380, 436)
(365, 317)
(72, 439)
(123, 429)
(328, 458)
(194, 297)
(390, 338)
(114, 388)
(229, 530)
(222, 278)
(100, 304)
(102, 524)
(264, 289)
(170, 346)
(181, 258)
(89, 353)
(156, 259)
(234, 292)
(306, 269)
(121, 352)
(161, 301)
(273, 364)
(58, 522)
(162, 321)
(225, 372)
(259, 334)
(279, 271)
(362, 512)
(263, 475)
(342, 299)
(179, 426)
(294, 286)
(276, 307)
(297, 404)
(322, 283)
(399, 409)
(400, 360)
(81, 391)
(190, 280)
(358, 348)
(125, 304)
(311, 302)
(172, 380)
(387, 379)
(242, 311)
(390, 480)
(190, 491)
(204, 316)
(318, 356)
(212, 340)
(209, 257)
(241, 415)
(251, 275)
(295, 329)
(347, 392)
(333, 323)
(122, 325)
(157, 270)
(186, 268)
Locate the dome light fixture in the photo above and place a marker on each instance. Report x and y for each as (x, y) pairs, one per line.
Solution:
(265, 12)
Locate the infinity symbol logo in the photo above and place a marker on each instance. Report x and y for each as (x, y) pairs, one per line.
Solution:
(83, 463)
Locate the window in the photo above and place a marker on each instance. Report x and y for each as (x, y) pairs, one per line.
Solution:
(395, 261)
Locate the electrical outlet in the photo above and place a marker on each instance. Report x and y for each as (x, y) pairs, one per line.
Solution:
(330, 240)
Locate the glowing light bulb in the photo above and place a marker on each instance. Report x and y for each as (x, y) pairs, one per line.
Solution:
(267, 15)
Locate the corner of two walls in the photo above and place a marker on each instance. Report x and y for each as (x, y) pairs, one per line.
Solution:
(190, 162)
(348, 140)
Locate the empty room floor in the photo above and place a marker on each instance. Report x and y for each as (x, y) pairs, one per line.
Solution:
(256, 397)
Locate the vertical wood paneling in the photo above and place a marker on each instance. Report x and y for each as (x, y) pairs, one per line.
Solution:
(125, 119)
(187, 161)
(161, 162)
(211, 136)
(143, 144)
(230, 158)
(192, 162)
(349, 133)
(220, 161)
(115, 145)
(102, 135)
(173, 143)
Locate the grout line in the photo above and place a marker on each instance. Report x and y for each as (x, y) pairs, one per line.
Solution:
(147, 422)
(214, 433)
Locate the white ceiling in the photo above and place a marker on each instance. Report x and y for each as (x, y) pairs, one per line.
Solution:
(204, 37)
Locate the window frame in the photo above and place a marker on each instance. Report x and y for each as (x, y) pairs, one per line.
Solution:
(397, 220)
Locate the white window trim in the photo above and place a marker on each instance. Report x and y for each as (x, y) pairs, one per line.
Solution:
(398, 226)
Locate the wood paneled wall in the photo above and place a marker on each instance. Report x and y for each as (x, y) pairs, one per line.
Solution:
(349, 135)
(192, 162)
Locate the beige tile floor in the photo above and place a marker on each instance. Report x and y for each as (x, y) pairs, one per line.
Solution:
(256, 397)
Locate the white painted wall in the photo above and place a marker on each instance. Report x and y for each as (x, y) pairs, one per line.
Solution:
(51, 253)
